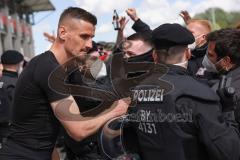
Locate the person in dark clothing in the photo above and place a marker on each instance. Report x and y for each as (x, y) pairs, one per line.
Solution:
(186, 122)
(11, 61)
(199, 29)
(43, 100)
(139, 25)
(223, 58)
(138, 48)
(87, 149)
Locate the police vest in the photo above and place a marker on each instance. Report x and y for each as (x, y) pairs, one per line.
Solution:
(157, 122)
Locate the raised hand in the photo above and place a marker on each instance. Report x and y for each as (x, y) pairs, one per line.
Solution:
(123, 22)
(185, 15)
(131, 12)
(50, 38)
(120, 107)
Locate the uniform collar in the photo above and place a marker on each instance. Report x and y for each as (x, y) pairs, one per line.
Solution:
(174, 69)
(9, 73)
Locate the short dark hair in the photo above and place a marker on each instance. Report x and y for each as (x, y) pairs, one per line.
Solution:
(227, 43)
(219, 34)
(78, 13)
(145, 37)
(172, 53)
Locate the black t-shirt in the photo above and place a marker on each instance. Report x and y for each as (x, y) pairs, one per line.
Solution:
(34, 124)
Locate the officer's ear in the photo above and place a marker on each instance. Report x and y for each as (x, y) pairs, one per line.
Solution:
(155, 56)
(204, 36)
(62, 33)
(188, 53)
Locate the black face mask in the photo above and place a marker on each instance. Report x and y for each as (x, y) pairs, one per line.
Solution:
(146, 57)
(199, 52)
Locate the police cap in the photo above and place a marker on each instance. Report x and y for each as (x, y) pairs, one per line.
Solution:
(169, 35)
(11, 57)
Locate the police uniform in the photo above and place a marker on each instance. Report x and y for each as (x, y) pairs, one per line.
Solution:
(9, 78)
(10, 57)
(8, 81)
(184, 123)
(234, 74)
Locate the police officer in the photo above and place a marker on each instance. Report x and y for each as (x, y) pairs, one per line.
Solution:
(11, 61)
(199, 29)
(183, 121)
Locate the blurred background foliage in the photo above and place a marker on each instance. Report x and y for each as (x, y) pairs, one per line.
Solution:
(220, 18)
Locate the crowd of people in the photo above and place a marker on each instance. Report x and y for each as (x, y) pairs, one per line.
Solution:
(177, 89)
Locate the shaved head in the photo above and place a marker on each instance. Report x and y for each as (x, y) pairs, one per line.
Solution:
(76, 28)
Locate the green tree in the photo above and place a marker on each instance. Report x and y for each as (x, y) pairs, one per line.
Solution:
(222, 18)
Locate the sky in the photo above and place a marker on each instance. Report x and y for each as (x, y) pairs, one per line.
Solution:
(153, 12)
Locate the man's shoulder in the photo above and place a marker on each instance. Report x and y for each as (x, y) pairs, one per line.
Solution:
(44, 61)
(39, 67)
(45, 56)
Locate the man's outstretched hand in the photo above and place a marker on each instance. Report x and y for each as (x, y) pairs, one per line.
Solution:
(131, 12)
(185, 15)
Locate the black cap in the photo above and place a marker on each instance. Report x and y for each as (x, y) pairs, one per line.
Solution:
(169, 35)
(11, 57)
